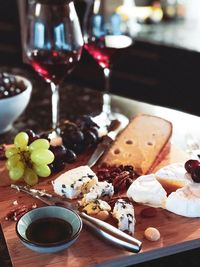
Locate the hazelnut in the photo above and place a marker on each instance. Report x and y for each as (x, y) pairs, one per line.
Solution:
(152, 234)
(102, 215)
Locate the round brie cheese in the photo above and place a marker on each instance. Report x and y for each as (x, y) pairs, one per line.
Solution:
(185, 201)
(147, 190)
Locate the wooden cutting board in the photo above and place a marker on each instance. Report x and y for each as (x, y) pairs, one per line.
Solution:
(177, 233)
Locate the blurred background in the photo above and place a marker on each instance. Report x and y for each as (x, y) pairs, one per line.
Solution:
(161, 67)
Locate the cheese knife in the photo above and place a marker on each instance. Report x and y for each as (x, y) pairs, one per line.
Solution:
(106, 142)
(105, 230)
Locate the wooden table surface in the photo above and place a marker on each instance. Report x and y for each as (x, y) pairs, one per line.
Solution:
(177, 233)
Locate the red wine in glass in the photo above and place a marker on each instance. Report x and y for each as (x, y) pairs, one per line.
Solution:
(54, 65)
(106, 48)
(53, 44)
(107, 32)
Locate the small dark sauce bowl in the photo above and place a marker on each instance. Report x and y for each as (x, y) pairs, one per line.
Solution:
(60, 213)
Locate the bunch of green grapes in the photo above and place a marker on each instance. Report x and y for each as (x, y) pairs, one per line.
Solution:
(28, 161)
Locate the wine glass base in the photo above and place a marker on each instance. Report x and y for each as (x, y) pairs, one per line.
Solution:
(104, 120)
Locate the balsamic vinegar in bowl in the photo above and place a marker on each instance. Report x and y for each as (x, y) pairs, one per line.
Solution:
(49, 230)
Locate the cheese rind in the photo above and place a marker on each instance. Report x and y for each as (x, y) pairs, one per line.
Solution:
(185, 201)
(173, 176)
(74, 183)
(147, 190)
(124, 213)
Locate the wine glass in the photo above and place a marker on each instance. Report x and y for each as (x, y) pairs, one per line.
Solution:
(108, 29)
(53, 44)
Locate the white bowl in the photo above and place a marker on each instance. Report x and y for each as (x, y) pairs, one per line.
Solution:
(12, 107)
(65, 214)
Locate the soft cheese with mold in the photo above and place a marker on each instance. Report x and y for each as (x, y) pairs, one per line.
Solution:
(74, 183)
(147, 190)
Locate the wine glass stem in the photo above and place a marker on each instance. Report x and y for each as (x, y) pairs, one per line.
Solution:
(106, 95)
(55, 106)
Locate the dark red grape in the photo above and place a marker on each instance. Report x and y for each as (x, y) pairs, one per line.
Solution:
(70, 127)
(77, 137)
(195, 174)
(85, 122)
(59, 152)
(32, 136)
(71, 138)
(90, 138)
(95, 131)
(190, 164)
(57, 166)
(78, 148)
(70, 156)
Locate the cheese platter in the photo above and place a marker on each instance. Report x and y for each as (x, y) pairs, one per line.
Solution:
(177, 233)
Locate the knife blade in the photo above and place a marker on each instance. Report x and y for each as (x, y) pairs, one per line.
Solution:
(102, 228)
(106, 142)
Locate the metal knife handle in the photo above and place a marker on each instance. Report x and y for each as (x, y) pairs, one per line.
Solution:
(118, 242)
(113, 230)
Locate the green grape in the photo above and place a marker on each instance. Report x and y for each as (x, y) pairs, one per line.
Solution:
(42, 156)
(21, 140)
(13, 161)
(17, 172)
(11, 151)
(39, 144)
(30, 177)
(42, 170)
(7, 165)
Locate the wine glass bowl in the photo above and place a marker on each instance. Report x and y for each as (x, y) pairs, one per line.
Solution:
(53, 44)
(107, 32)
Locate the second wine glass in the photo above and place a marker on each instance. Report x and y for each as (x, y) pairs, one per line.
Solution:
(108, 27)
(53, 44)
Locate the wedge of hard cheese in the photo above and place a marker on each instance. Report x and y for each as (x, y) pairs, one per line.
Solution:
(143, 144)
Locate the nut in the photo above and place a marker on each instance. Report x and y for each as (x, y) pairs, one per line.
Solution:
(121, 177)
(152, 234)
(102, 215)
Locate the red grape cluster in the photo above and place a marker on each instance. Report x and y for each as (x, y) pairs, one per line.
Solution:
(192, 166)
(77, 137)
(9, 86)
(80, 135)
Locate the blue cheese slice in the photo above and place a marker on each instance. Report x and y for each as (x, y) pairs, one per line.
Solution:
(124, 213)
(74, 183)
(101, 190)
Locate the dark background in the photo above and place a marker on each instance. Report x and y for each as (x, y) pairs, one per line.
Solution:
(151, 70)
